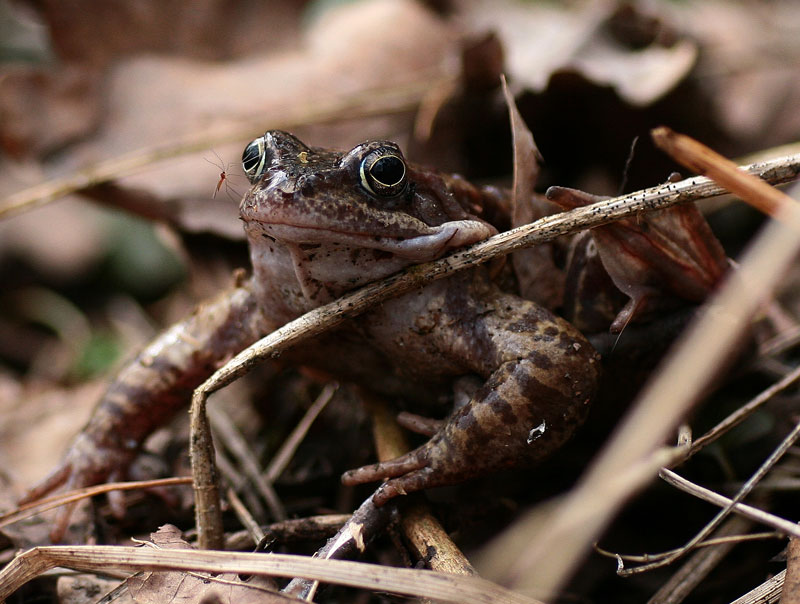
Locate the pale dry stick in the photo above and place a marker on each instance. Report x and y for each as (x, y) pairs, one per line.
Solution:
(697, 567)
(323, 318)
(252, 527)
(766, 593)
(422, 530)
(281, 459)
(364, 104)
(743, 412)
(745, 490)
(712, 542)
(439, 586)
(556, 550)
(748, 511)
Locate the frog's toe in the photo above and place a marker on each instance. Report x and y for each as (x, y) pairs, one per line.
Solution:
(408, 473)
(386, 469)
(408, 483)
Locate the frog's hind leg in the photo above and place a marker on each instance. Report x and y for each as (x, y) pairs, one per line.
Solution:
(148, 391)
(515, 419)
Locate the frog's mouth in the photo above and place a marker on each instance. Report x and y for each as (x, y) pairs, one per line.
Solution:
(427, 244)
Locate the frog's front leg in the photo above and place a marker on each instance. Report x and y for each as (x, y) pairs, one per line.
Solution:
(150, 389)
(529, 406)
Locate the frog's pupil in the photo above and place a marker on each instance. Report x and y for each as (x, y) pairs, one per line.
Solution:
(388, 170)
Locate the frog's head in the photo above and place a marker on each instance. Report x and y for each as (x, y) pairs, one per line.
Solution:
(368, 197)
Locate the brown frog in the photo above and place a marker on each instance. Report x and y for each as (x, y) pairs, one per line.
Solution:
(320, 223)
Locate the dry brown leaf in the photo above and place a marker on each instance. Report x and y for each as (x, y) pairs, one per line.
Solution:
(166, 587)
(539, 278)
(545, 38)
(87, 589)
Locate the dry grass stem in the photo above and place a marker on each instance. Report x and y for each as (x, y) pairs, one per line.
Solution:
(766, 593)
(712, 542)
(284, 455)
(439, 586)
(238, 446)
(54, 501)
(743, 412)
(245, 517)
(784, 526)
(696, 569)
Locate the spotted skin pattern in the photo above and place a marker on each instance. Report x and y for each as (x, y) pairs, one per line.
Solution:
(320, 223)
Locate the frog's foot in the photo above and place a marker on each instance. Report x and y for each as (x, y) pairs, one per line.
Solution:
(86, 463)
(417, 470)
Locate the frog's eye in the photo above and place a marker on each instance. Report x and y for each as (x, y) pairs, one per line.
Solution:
(383, 173)
(254, 159)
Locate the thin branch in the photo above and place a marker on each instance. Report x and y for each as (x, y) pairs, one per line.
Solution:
(743, 412)
(748, 511)
(281, 459)
(439, 586)
(743, 492)
(711, 542)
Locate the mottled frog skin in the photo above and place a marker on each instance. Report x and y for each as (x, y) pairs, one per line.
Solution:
(320, 223)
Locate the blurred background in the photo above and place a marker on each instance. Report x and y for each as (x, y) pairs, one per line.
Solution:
(182, 87)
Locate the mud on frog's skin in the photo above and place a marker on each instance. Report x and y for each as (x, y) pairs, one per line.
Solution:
(320, 223)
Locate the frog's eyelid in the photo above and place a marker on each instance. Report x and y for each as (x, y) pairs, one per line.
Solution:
(254, 159)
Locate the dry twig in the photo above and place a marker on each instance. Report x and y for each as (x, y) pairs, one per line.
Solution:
(745, 490)
(440, 586)
(695, 570)
(71, 497)
(748, 511)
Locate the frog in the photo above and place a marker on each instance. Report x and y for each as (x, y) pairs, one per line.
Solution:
(514, 379)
